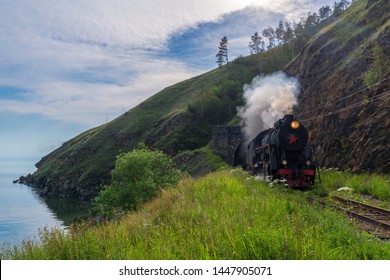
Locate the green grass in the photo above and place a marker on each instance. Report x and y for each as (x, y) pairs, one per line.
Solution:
(225, 215)
(373, 185)
(200, 161)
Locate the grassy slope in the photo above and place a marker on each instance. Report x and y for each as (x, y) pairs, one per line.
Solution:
(355, 30)
(225, 215)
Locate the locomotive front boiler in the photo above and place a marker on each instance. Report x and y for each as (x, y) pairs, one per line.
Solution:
(282, 153)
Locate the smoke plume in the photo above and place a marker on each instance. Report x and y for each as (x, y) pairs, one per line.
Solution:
(267, 99)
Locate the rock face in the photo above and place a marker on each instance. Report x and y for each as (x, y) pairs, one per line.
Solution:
(226, 140)
(347, 113)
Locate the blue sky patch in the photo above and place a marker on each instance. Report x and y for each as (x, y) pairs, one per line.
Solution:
(13, 93)
(198, 46)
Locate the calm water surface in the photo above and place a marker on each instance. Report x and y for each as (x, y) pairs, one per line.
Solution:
(23, 211)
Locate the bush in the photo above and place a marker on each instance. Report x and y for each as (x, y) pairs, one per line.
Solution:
(379, 67)
(137, 177)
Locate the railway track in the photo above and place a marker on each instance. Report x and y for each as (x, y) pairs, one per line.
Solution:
(372, 219)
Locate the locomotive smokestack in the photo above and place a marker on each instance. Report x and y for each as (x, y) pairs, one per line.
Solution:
(288, 119)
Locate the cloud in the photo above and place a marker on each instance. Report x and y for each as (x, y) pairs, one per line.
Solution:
(90, 98)
(79, 61)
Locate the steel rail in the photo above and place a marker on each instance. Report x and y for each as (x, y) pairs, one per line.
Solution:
(364, 216)
(364, 205)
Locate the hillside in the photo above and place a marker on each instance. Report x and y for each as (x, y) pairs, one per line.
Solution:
(345, 99)
(176, 119)
(344, 64)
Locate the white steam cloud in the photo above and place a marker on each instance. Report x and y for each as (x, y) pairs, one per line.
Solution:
(267, 99)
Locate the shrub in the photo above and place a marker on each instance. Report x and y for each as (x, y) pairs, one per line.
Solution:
(379, 67)
(137, 177)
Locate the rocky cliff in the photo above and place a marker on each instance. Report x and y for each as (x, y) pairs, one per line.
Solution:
(345, 97)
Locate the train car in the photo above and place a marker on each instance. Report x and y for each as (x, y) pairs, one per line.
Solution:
(282, 153)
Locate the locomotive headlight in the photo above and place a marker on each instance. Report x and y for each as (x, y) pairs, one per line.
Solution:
(284, 162)
(308, 163)
(294, 125)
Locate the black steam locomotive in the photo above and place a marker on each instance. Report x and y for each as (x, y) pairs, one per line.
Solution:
(281, 153)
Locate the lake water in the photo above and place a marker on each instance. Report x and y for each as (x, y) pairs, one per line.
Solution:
(23, 211)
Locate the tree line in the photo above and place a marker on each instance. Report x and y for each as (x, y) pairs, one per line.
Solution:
(294, 34)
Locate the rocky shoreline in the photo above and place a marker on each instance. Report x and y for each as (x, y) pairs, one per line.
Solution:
(47, 188)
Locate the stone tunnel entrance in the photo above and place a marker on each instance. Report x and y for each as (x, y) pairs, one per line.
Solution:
(226, 140)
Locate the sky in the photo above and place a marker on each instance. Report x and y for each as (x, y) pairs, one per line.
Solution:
(67, 66)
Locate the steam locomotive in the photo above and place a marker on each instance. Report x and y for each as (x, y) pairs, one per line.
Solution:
(281, 153)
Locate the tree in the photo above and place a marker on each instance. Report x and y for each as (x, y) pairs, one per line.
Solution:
(324, 12)
(220, 58)
(344, 4)
(288, 32)
(269, 33)
(299, 33)
(222, 55)
(279, 32)
(288, 37)
(137, 177)
(339, 7)
(256, 45)
(311, 22)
